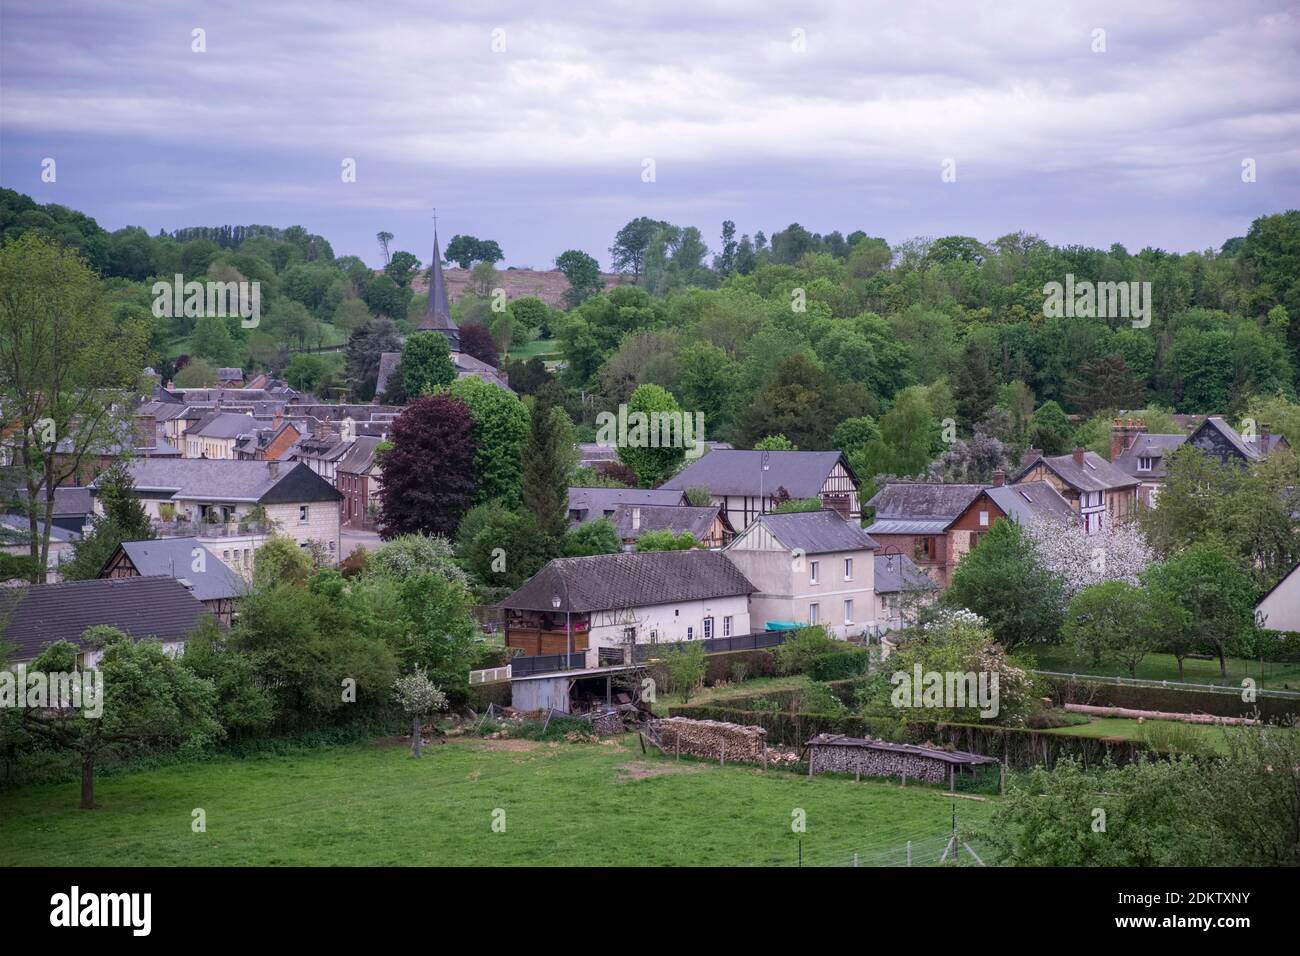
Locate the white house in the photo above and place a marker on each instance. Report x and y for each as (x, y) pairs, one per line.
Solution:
(1279, 609)
(810, 567)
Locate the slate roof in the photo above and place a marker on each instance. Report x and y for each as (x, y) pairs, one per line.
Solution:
(71, 500)
(816, 532)
(223, 425)
(894, 572)
(739, 471)
(437, 314)
(1250, 450)
(1155, 447)
(1029, 500)
(1095, 474)
(360, 455)
(174, 558)
(203, 479)
(37, 616)
(593, 503)
(695, 521)
(630, 579)
(919, 507)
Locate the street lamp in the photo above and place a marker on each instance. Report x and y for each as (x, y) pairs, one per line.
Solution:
(568, 628)
(763, 462)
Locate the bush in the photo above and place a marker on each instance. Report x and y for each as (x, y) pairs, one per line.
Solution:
(1227, 703)
(840, 665)
(796, 655)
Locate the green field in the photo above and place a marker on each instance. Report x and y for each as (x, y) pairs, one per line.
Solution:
(1126, 728)
(546, 348)
(1277, 676)
(564, 804)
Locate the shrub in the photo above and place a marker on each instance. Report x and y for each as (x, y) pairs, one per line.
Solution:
(840, 665)
(796, 655)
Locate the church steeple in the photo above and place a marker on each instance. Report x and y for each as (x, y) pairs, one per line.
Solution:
(437, 316)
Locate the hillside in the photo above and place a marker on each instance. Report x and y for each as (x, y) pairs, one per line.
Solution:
(549, 286)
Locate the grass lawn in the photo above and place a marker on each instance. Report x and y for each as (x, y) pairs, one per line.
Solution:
(546, 348)
(564, 804)
(1165, 667)
(1127, 728)
(717, 695)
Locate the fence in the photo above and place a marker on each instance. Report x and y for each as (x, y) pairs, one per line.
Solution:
(541, 663)
(899, 847)
(1169, 685)
(489, 675)
(717, 645)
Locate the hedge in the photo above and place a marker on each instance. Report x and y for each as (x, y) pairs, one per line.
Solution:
(1021, 747)
(1185, 700)
(840, 665)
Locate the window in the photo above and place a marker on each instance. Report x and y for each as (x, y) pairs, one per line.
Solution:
(726, 626)
(924, 549)
(708, 628)
(848, 569)
(302, 512)
(812, 613)
(984, 519)
(848, 612)
(690, 633)
(813, 567)
(1144, 463)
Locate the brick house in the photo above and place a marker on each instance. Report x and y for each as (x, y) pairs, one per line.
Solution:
(914, 518)
(357, 477)
(1098, 492)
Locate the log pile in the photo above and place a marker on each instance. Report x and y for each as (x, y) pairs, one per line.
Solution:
(1095, 711)
(610, 722)
(875, 763)
(710, 739)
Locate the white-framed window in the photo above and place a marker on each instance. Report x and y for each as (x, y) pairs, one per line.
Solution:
(848, 612)
(984, 519)
(813, 611)
(726, 626)
(302, 512)
(1144, 463)
(848, 569)
(708, 628)
(813, 568)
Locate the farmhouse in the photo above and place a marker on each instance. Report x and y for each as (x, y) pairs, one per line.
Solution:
(1138, 453)
(33, 618)
(1279, 609)
(604, 604)
(913, 518)
(746, 483)
(188, 561)
(1098, 492)
(1021, 503)
(1220, 440)
(809, 567)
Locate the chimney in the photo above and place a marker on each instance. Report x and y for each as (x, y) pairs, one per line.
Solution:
(636, 519)
(273, 467)
(1265, 430)
(999, 478)
(1078, 456)
(1123, 433)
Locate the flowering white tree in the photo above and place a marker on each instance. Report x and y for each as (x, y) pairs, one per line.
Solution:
(1117, 552)
(418, 697)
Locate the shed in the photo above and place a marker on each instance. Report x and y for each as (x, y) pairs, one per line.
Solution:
(836, 753)
(567, 691)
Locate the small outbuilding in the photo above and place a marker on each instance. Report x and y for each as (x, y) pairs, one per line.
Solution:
(573, 692)
(835, 753)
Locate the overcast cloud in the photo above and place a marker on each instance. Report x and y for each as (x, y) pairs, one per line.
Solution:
(541, 145)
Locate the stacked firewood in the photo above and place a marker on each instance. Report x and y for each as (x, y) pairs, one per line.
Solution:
(711, 739)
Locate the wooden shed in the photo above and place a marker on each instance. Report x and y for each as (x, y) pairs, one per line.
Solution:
(836, 753)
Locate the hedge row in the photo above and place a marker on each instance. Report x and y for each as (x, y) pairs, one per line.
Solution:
(1065, 690)
(1020, 747)
(840, 665)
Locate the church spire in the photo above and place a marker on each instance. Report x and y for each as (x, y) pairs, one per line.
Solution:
(437, 316)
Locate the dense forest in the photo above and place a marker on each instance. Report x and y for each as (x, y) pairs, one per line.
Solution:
(799, 339)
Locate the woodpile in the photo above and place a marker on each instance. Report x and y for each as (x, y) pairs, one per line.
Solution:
(710, 739)
(610, 722)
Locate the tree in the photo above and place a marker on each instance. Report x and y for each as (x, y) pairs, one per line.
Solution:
(1216, 595)
(401, 268)
(631, 242)
(665, 541)
(775, 443)
(196, 373)
(124, 519)
(366, 347)
(426, 364)
(502, 548)
(1117, 551)
(148, 697)
(725, 261)
(644, 450)
(549, 458)
(211, 340)
(582, 273)
(1110, 620)
(1002, 581)
(907, 434)
(407, 556)
(686, 667)
(477, 341)
(592, 537)
(1051, 429)
(430, 473)
(418, 697)
(802, 403)
(66, 366)
(1105, 383)
(500, 432)
(280, 561)
(466, 250)
(384, 239)
(973, 385)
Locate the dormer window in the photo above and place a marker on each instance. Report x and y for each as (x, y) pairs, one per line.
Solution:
(1144, 463)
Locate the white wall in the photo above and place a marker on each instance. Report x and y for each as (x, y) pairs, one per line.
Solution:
(667, 622)
(1280, 610)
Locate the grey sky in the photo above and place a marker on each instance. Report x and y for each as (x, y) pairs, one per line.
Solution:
(541, 145)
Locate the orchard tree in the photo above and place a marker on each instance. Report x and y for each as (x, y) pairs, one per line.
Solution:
(149, 698)
(1112, 620)
(419, 698)
(431, 471)
(1216, 596)
(1118, 551)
